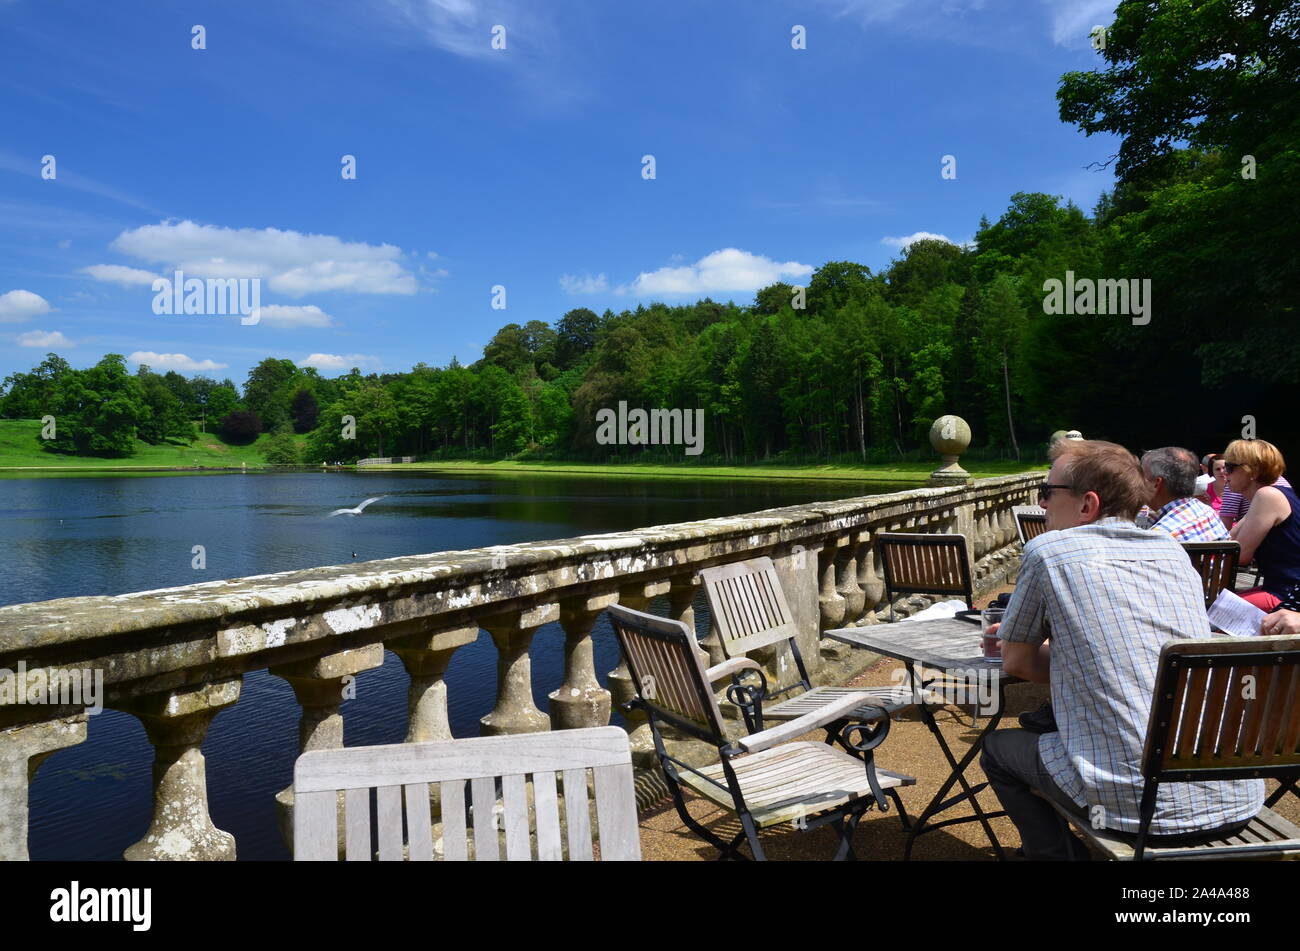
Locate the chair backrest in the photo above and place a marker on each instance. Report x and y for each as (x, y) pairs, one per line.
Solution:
(1216, 563)
(1225, 708)
(1031, 521)
(665, 666)
(925, 563)
(401, 773)
(748, 605)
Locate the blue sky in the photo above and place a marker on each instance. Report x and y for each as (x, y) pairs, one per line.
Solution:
(520, 167)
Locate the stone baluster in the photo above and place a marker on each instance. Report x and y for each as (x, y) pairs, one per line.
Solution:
(988, 529)
(426, 658)
(22, 751)
(846, 582)
(176, 723)
(681, 607)
(512, 632)
(321, 684)
(580, 701)
(870, 579)
(637, 597)
(829, 600)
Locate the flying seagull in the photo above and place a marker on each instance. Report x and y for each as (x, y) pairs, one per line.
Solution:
(358, 509)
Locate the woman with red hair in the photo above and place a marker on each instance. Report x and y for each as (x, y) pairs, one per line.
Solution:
(1270, 531)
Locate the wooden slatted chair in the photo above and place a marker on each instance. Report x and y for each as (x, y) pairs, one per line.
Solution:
(1223, 708)
(763, 778)
(1031, 521)
(402, 772)
(925, 563)
(1216, 563)
(750, 612)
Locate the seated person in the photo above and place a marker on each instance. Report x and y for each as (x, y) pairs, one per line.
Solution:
(1233, 506)
(1171, 474)
(1270, 531)
(1285, 620)
(1220, 483)
(1112, 594)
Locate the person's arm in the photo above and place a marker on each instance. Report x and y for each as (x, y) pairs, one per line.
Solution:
(1032, 662)
(1024, 629)
(1268, 508)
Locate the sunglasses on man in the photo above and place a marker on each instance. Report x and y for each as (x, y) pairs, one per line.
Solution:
(1045, 490)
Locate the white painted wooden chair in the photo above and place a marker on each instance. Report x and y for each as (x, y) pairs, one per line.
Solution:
(750, 612)
(765, 779)
(499, 771)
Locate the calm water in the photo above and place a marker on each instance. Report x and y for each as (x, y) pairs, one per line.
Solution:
(61, 537)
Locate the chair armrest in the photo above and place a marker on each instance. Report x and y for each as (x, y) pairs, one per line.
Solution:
(835, 710)
(728, 667)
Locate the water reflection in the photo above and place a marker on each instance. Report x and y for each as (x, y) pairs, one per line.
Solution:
(83, 536)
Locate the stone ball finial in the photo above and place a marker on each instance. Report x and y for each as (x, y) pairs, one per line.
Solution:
(950, 435)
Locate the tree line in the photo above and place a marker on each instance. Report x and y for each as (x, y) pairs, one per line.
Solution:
(858, 363)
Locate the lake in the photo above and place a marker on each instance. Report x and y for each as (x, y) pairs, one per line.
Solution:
(104, 535)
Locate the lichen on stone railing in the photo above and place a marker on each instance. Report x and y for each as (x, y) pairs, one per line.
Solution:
(175, 657)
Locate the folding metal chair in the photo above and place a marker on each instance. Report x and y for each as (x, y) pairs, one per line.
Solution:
(921, 563)
(1031, 521)
(1216, 563)
(1222, 708)
(750, 612)
(761, 777)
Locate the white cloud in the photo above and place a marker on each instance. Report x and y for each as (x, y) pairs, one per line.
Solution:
(1073, 20)
(281, 315)
(44, 338)
(173, 361)
(727, 270)
(66, 178)
(65, 244)
(911, 239)
(464, 27)
(977, 21)
(120, 274)
(917, 15)
(333, 361)
(585, 284)
(20, 305)
(290, 262)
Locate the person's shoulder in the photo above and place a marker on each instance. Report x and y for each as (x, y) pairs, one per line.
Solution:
(1273, 495)
(1201, 509)
(1066, 541)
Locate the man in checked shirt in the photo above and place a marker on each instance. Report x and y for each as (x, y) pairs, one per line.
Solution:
(1171, 474)
(1108, 594)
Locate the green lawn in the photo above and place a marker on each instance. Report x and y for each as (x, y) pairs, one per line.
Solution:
(884, 472)
(19, 449)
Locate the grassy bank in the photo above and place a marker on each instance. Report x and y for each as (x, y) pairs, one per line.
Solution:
(883, 472)
(20, 452)
(19, 449)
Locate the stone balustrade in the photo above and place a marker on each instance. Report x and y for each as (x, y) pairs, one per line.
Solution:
(175, 657)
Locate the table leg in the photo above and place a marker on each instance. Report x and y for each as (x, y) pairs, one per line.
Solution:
(957, 775)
